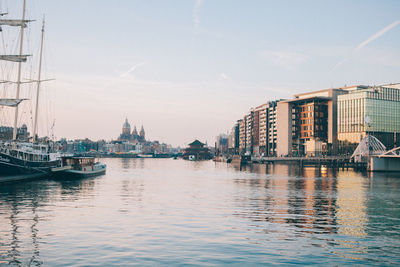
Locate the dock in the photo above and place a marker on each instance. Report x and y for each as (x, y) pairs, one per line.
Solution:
(329, 161)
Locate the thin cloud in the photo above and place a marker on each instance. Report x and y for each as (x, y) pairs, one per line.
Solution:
(123, 75)
(196, 19)
(224, 76)
(285, 59)
(132, 69)
(366, 42)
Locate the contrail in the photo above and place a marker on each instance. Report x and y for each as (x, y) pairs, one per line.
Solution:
(377, 35)
(132, 69)
(370, 39)
(124, 74)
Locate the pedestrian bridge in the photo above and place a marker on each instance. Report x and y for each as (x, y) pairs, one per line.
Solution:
(369, 146)
(372, 151)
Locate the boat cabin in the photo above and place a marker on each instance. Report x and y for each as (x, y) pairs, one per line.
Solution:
(78, 163)
(28, 152)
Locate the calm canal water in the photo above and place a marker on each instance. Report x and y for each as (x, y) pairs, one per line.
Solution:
(174, 212)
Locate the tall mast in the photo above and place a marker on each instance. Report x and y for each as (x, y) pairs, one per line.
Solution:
(38, 86)
(19, 72)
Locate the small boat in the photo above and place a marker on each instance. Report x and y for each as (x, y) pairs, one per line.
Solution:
(324, 169)
(192, 157)
(81, 167)
(146, 156)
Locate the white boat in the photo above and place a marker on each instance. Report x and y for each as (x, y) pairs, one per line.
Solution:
(80, 167)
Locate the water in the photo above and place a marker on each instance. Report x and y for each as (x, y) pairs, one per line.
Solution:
(175, 212)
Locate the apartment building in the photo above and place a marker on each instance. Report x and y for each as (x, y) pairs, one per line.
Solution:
(249, 132)
(307, 124)
(242, 135)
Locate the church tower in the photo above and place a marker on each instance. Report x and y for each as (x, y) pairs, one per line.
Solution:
(134, 132)
(142, 133)
(126, 131)
(126, 128)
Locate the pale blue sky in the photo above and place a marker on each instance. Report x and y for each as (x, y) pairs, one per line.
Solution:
(189, 69)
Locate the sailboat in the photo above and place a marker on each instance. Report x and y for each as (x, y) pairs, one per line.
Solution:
(21, 160)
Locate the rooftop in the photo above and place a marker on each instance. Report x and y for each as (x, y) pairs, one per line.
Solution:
(196, 143)
(307, 98)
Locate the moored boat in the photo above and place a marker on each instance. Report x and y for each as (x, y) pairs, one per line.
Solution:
(80, 167)
(22, 158)
(22, 161)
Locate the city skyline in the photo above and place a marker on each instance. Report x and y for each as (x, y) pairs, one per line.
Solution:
(190, 69)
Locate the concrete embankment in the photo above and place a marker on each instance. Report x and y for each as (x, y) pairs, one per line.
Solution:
(331, 161)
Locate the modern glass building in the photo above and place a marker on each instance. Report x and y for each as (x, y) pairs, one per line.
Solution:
(372, 110)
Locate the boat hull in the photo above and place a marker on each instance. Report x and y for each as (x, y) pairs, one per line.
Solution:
(14, 169)
(82, 174)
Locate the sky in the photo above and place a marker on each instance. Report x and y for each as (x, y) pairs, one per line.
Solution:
(188, 69)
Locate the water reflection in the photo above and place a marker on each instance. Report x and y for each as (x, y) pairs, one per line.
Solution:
(203, 210)
(19, 222)
(74, 189)
(23, 207)
(314, 201)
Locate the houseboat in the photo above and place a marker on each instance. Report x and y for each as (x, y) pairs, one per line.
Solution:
(81, 167)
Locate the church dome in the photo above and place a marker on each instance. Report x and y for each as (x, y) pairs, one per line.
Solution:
(126, 128)
(126, 124)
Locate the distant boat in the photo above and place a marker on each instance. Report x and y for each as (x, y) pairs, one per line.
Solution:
(324, 169)
(80, 167)
(192, 157)
(147, 156)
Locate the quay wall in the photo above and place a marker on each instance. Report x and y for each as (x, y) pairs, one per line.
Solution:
(384, 164)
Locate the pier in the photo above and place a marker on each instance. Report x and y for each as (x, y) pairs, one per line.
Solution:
(344, 162)
(388, 161)
(330, 161)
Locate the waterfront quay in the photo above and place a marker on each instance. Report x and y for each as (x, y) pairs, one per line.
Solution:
(343, 162)
(331, 161)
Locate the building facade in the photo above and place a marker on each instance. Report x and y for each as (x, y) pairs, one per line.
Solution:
(307, 124)
(249, 132)
(369, 111)
(264, 129)
(242, 136)
(6, 133)
(233, 140)
(221, 144)
(272, 135)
